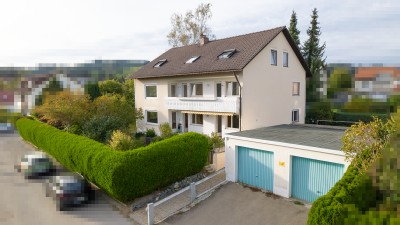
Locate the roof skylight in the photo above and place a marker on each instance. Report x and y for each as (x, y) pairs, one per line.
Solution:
(160, 63)
(227, 54)
(192, 59)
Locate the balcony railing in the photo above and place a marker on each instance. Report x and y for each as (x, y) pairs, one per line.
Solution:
(226, 104)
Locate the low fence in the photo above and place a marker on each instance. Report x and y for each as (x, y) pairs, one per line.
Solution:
(161, 210)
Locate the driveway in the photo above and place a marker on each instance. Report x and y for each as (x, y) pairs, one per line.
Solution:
(24, 202)
(234, 204)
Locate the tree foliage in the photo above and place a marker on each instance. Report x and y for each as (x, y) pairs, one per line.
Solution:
(340, 80)
(110, 87)
(363, 143)
(313, 54)
(294, 32)
(186, 30)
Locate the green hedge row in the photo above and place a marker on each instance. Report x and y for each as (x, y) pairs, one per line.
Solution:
(354, 189)
(356, 117)
(373, 217)
(123, 175)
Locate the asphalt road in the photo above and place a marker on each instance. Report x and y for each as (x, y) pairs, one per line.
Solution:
(23, 201)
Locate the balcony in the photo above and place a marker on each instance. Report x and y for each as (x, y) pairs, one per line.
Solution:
(226, 104)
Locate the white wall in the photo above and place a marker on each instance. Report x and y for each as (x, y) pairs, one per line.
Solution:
(282, 154)
(267, 98)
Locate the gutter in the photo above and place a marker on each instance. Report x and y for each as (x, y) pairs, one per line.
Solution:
(240, 102)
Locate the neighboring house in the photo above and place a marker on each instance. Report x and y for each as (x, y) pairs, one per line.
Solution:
(10, 101)
(377, 83)
(292, 160)
(227, 85)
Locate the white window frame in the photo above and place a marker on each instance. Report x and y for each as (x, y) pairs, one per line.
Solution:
(229, 88)
(272, 58)
(285, 64)
(147, 116)
(192, 59)
(145, 91)
(293, 115)
(193, 89)
(175, 90)
(298, 89)
(195, 122)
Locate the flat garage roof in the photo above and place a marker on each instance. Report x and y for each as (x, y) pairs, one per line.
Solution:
(308, 135)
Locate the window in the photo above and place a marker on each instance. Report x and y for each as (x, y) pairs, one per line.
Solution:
(227, 54)
(219, 90)
(160, 63)
(296, 88)
(232, 88)
(274, 57)
(365, 84)
(197, 89)
(285, 59)
(185, 90)
(295, 115)
(192, 59)
(197, 119)
(173, 118)
(233, 121)
(151, 91)
(172, 90)
(152, 116)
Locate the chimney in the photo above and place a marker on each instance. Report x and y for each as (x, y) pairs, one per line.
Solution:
(203, 39)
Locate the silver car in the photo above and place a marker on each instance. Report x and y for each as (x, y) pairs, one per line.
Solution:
(34, 165)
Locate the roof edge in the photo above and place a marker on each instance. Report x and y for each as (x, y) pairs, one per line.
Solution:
(185, 74)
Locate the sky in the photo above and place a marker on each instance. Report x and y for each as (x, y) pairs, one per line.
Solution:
(77, 31)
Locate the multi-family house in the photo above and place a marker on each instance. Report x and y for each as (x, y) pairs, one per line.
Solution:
(377, 83)
(226, 85)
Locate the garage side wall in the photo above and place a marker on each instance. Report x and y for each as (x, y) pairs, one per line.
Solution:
(282, 159)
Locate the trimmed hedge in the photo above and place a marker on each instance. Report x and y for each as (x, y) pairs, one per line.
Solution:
(353, 190)
(356, 117)
(123, 175)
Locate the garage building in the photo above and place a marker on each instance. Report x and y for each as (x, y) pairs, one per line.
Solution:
(297, 161)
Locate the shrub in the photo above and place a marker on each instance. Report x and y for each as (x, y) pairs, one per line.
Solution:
(121, 141)
(215, 141)
(123, 175)
(318, 111)
(353, 189)
(356, 117)
(150, 132)
(165, 130)
(100, 128)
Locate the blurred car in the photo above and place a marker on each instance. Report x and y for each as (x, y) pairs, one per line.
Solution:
(34, 165)
(68, 190)
(6, 127)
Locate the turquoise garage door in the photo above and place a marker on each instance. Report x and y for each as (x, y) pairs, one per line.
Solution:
(313, 178)
(256, 168)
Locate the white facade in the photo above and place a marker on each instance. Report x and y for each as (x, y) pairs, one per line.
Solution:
(283, 153)
(262, 94)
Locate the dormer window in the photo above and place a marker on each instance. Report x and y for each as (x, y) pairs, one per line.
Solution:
(160, 63)
(227, 54)
(192, 59)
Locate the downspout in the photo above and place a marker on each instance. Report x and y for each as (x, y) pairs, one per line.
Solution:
(240, 102)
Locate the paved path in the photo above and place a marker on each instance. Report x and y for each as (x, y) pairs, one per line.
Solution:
(233, 204)
(23, 201)
(175, 204)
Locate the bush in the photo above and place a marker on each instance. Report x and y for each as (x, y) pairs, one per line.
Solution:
(121, 141)
(215, 141)
(355, 217)
(123, 175)
(150, 132)
(165, 130)
(353, 189)
(100, 128)
(356, 117)
(318, 111)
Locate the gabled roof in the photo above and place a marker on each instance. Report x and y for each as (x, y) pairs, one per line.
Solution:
(370, 73)
(247, 47)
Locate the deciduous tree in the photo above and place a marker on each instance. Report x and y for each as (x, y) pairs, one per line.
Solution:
(186, 30)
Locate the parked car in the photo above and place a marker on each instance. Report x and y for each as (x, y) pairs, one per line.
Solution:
(6, 128)
(68, 190)
(34, 165)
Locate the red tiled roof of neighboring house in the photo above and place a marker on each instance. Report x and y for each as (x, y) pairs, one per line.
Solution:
(247, 47)
(370, 73)
(6, 97)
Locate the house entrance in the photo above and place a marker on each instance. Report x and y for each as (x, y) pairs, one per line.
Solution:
(219, 124)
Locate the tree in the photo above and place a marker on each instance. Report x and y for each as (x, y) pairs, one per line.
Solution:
(186, 30)
(110, 87)
(128, 90)
(363, 143)
(313, 54)
(339, 81)
(294, 32)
